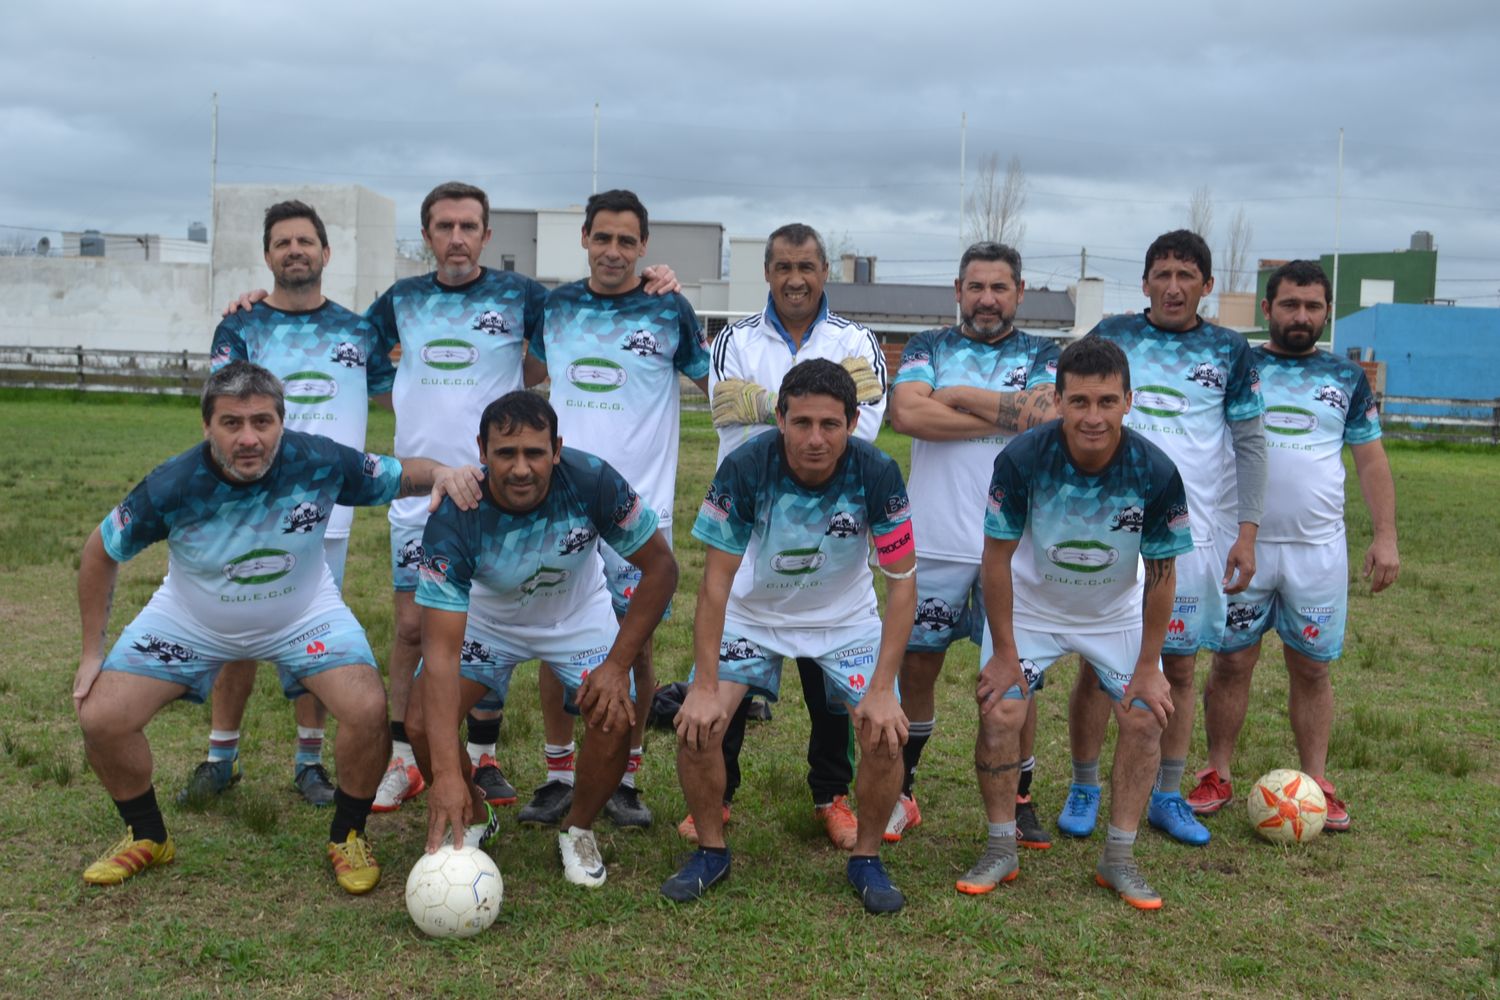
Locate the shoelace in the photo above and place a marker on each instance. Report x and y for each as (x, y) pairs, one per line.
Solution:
(1129, 877)
(357, 853)
(587, 850)
(1078, 803)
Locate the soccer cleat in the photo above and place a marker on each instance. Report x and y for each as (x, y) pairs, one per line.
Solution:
(402, 781)
(582, 863)
(869, 879)
(480, 834)
(838, 819)
(693, 879)
(1081, 811)
(1126, 879)
(127, 858)
(1212, 794)
(905, 816)
(688, 830)
(497, 791)
(1170, 813)
(548, 805)
(759, 711)
(1029, 831)
(354, 864)
(312, 781)
(626, 810)
(993, 867)
(209, 779)
(1336, 820)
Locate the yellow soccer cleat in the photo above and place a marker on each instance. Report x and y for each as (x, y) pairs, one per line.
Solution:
(354, 864)
(129, 857)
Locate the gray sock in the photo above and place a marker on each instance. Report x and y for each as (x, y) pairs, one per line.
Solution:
(1002, 839)
(1085, 772)
(1169, 774)
(1118, 845)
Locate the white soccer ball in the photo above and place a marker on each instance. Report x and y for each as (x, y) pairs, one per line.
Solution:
(454, 893)
(1287, 807)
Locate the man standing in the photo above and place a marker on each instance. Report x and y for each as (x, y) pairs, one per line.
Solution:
(1315, 404)
(750, 358)
(326, 358)
(789, 522)
(531, 548)
(962, 392)
(244, 516)
(1075, 507)
(613, 354)
(1197, 399)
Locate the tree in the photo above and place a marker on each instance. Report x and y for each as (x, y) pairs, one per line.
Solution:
(1201, 212)
(1237, 273)
(993, 210)
(14, 243)
(839, 244)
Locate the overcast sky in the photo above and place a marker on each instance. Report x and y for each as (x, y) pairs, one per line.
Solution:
(837, 114)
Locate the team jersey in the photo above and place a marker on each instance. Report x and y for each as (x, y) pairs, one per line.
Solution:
(949, 478)
(1083, 534)
(328, 364)
(1315, 404)
(246, 558)
(1188, 388)
(613, 361)
(537, 568)
(758, 349)
(461, 348)
(804, 549)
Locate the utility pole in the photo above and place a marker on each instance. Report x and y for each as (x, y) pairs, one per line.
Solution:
(596, 147)
(213, 200)
(1083, 263)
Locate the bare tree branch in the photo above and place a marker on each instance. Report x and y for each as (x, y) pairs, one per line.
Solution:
(1201, 212)
(993, 210)
(1237, 273)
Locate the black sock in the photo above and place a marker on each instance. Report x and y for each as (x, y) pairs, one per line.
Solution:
(398, 732)
(1028, 768)
(721, 851)
(485, 732)
(916, 740)
(349, 813)
(143, 816)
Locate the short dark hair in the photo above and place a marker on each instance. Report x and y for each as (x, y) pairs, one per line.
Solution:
(241, 380)
(819, 377)
(796, 234)
(1184, 244)
(618, 200)
(283, 210)
(454, 191)
(515, 410)
(1093, 355)
(990, 250)
(1299, 272)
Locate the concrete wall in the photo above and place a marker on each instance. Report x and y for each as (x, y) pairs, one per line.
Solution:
(514, 235)
(1435, 351)
(559, 249)
(103, 303)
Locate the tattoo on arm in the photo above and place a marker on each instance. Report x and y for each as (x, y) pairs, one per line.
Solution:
(985, 767)
(109, 606)
(409, 485)
(1157, 570)
(1008, 413)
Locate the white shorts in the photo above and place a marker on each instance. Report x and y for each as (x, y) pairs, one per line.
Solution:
(752, 656)
(336, 554)
(406, 555)
(1111, 654)
(1198, 607)
(1302, 590)
(950, 605)
(622, 576)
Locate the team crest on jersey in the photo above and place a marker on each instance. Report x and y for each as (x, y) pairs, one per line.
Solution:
(1083, 555)
(716, 504)
(739, 649)
(1131, 519)
(434, 569)
(576, 540)
(492, 323)
(1207, 375)
(1242, 616)
(303, 518)
(628, 511)
(163, 651)
(1177, 517)
(347, 354)
(935, 615)
(476, 652)
(916, 359)
(409, 554)
(1333, 396)
(545, 578)
(641, 342)
(842, 525)
(1015, 378)
(120, 517)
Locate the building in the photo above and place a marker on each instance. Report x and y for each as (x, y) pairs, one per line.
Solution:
(1370, 279)
(1432, 352)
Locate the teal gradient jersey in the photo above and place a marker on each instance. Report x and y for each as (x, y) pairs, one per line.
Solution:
(539, 567)
(949, 478)
(1315, 404)
(461, 347)
(247, 558)
(1082, 535)
(805, 549)
(328, 361)
(1188, 388)
(613, 361)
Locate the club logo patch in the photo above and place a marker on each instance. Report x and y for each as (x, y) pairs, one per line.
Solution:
(476, 652)
(1160, 401)
(1290, 420)
(409, 554)
(163, 651)
(259, 566)
(1207, 375)
(449, 354)
(736, 650)
(1131, 519)
(303, 518)
(545, 578)
(596, 375)
(347, 354)
(1015, 378)
(1242, 616)
(798, 562)
(935, 615)
(492, 323)
(1083, 556)
(641, 342)
(309, 388)
(842, 525)
(1333, 396)
(576, 540)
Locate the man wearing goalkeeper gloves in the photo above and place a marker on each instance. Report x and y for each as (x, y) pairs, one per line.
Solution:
(749, 360)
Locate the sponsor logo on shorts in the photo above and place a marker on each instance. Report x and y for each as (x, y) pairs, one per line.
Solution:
(857, 682)
(311, 633)
(409, 554)
(1031, 671)
(476, 652)
(1320, 615)
(162, 650)
(738, 650)
(1176, 627)
(544, 578)
(1083, 555)
(433, 569)
(1310, 632)
(593, 657)
(1186, 606)
(641, 342)
(347, 354)
(1333, 396)
(842, 525)
(303, 518)
(936, 615)
(1131, 518)
(259, 566)
(309, 387)
(316, 648)
(576, 540)
(492, 323)
(1207, 375)
(596, 375)
(449, 354)
(1160, 401)
(1290, 420)
(796, 562)
(1242, 616)
(855, 657)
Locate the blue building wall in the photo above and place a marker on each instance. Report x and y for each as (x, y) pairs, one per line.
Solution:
(1438, 351)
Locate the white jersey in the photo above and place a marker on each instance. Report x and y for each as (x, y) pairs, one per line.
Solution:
(757, 349)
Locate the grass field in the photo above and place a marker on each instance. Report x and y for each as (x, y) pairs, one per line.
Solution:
(1404, 905)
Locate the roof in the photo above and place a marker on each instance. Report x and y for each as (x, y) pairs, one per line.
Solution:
(934, 303)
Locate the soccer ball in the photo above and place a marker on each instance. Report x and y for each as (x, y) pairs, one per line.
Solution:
(454, 893)
(1287, 807)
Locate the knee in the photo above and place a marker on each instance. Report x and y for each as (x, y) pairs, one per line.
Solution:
(1002, 721)
(1138, 725)
(99, 722)
(1179, 670)
(1306, 672)
(409, 628)
(1235, 666)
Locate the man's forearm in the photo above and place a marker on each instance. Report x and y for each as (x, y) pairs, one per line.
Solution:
(647, 605)
(895, 631)
(1378, 488)
(1156, 606)
(417, 475)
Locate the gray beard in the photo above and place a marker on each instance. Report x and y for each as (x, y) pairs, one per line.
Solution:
(226, 463)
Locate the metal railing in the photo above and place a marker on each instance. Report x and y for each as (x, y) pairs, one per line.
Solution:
(1414, 426)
